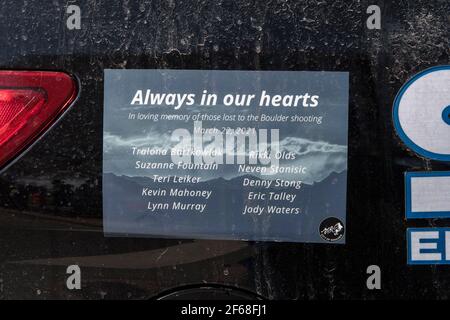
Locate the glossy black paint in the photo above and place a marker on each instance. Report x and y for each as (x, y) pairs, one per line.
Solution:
(50, 199)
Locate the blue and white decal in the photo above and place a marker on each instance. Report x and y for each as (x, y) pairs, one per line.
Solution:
(427, 194)
(422, 113)
(428, 246)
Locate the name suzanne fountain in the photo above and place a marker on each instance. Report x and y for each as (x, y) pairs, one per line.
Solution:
(171, 166)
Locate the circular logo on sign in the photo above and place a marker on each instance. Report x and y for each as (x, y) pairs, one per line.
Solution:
(331, 229)
(422, 113)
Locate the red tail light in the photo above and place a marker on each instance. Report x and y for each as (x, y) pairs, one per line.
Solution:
(30, 102)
